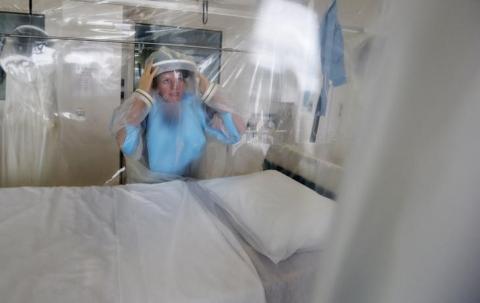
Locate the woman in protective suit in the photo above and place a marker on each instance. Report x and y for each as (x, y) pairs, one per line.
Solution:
(162, 127)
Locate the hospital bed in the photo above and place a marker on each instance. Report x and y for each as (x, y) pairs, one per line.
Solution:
(179, 241)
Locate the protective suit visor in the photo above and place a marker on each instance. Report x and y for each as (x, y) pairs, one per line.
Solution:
(174, 65)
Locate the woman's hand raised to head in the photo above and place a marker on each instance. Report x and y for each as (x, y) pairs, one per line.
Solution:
(145, 82)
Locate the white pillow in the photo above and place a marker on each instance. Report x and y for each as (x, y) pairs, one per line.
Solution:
(277, 215)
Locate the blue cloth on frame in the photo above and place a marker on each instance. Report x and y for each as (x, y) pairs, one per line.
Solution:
(172, 145)
(332, 59)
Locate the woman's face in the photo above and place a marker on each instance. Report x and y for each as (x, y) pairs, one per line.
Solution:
(171, 86)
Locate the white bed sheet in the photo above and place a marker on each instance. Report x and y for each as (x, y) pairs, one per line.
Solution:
(135, 243)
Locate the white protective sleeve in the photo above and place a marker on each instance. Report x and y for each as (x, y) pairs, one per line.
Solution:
(131, 112)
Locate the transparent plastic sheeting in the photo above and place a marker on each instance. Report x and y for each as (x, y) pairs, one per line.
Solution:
(407, 225)
(406, 228)
(73, 64)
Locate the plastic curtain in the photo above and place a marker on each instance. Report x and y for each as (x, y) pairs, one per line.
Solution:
(407, 224)
(29, 125)
(268, 81)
